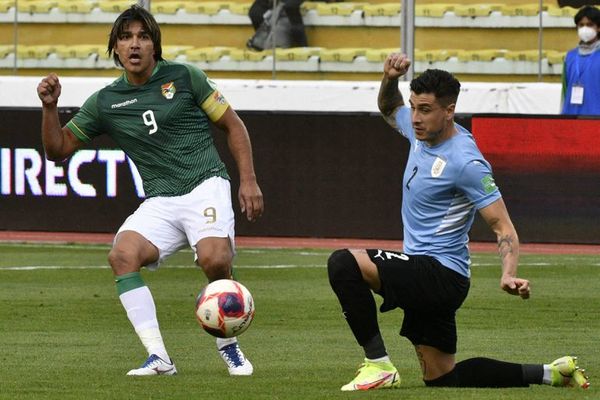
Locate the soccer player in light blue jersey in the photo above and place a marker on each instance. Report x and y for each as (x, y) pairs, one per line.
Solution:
(446, 181)
(159, 113)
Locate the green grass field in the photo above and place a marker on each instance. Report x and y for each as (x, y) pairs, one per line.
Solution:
(64, 335)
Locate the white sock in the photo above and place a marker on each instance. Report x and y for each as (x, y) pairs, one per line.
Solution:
(547, 378)
(153, 342)
(222, 342)
(141, 311)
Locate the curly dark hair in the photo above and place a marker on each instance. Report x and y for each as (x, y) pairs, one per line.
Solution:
(135, 13)
(441, 83)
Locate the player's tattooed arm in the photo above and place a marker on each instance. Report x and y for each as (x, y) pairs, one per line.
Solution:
(505, 246)
(499, 221)
(389, 97)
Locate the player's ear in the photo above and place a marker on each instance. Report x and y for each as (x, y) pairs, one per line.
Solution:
(450, 112)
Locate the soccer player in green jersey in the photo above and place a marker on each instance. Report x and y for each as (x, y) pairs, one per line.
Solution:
(158, 112)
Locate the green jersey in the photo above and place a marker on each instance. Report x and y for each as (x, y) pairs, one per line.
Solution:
(162, 125)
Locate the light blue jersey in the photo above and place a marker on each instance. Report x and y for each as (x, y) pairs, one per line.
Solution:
(443, 186)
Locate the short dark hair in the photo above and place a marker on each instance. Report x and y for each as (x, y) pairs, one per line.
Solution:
(444, 86)
(135, 13)
(592, 13)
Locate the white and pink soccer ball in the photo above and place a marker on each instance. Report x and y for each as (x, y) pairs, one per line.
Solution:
(225, 308)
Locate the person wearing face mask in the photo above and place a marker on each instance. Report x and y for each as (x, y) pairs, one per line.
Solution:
(581, 71)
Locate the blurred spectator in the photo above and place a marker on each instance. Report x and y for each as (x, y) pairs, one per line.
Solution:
(581, 71)
(289, 27)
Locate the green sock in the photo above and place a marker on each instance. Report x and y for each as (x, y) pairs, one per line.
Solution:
(127, 282)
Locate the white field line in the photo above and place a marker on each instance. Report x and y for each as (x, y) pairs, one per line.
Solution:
(191, 266)
(106, 247)
(274, 266)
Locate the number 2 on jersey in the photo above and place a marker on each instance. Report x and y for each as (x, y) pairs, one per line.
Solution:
(415, 169)
(149, 120)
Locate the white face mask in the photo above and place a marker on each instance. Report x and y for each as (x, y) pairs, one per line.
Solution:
(587, 34)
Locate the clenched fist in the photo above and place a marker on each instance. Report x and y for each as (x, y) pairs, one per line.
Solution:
(49, 90)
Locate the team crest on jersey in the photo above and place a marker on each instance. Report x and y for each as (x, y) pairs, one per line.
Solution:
(438, 167)
(168, 90)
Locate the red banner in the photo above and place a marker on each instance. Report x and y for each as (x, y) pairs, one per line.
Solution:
(538, 144)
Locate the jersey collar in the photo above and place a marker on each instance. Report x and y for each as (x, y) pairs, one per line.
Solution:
(154, 71)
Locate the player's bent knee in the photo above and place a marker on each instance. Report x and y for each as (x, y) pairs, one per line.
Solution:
(341, 266)
(123, 261)
(214, 261)
(215, 266)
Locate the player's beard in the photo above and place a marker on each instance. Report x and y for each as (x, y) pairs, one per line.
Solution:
(433, 137)
(447, 125)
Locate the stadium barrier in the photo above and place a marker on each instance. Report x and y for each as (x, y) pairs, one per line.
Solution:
(324, 174)
(313, 96)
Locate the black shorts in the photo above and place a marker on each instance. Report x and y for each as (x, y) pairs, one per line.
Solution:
(428, 292)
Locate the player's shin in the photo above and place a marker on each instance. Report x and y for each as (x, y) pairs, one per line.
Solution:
(358, 304)
(141, 312)
(487, 373)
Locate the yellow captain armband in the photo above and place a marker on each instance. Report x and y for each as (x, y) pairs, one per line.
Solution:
(215, 105)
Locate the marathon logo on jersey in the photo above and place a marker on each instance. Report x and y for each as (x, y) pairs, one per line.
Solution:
(123, 104)
(438, 167)
(168, 90)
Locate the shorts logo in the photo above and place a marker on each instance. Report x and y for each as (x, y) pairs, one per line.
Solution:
(389, 255)
(438, 167)
(168, 90)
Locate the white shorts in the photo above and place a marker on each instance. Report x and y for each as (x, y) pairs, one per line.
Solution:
(171, 223)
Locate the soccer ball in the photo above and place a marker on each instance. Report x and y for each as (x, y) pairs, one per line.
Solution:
(225, 308)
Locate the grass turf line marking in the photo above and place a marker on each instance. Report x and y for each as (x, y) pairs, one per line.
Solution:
(58, 246)
(48, 267)
(275, 266)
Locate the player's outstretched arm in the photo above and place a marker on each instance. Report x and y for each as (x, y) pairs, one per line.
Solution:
(238, 140)
(499, 221)
(390, 98)
(59, 143)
